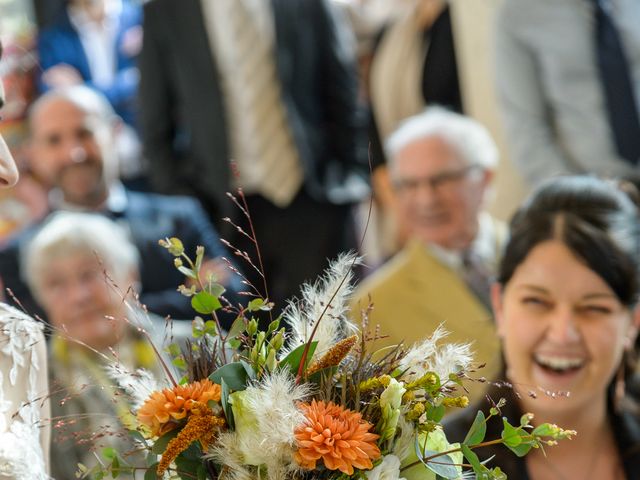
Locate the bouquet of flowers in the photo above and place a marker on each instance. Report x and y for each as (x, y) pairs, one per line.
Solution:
(316, 401)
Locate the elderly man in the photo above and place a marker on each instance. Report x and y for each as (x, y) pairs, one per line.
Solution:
(72, 151)
(441, 166)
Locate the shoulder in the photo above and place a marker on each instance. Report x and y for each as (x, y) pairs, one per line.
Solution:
(392, 271)
(169, 204)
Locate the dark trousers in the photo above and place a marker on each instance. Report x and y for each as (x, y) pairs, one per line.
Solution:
(295, 242)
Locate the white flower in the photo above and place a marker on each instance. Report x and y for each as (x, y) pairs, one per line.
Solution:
(389, 469)
(324, 301)
(427, 356)
(390, 402)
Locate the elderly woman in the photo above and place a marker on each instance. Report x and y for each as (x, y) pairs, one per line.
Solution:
(24, 442)
(566, 306)
(80, 268)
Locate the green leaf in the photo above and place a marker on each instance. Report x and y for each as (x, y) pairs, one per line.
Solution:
(477, 431)
(435, 414)
(473, 459)
(543, 430)
(187, 467)
(108, 453)
(187, 272)
(292, 361)
(210, 328)
(160, 445)
(205, 303)
(136, 435)
(224, 400)
(202, 473)
(442, 465)
(151, 473)
(214, 289)
(115, 467)
(513, 439)
(255, 304)
(234, 374)
(179, 362)
(237, 327)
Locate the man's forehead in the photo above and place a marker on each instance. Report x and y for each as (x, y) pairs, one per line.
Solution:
(426, 154)
(58, 114)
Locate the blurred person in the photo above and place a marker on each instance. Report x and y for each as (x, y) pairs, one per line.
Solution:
(413, 65)
(566, 305)
(96, 43)
(24, 405)
(270, 88)
(73, 265)
(568, 78)
(441, 166)
(72, 151)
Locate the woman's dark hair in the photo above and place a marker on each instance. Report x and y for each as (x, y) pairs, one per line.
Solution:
(594, 218)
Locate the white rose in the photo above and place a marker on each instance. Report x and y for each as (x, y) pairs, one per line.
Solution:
(389, 469)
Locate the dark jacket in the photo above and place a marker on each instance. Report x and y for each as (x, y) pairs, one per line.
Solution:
(626, 430)
(183, 117)
(59, 43)
(148, 218)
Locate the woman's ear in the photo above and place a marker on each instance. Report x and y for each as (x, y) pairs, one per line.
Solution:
(496, 303)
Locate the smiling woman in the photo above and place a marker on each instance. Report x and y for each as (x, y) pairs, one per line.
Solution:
(567, 314)
(24, 441)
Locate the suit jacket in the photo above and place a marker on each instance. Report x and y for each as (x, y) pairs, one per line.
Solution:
(149, 218)
(183, 117)
(413, 293)
(59, 43)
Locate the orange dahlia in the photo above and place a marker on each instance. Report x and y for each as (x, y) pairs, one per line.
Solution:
(164, 409)
(338, 436)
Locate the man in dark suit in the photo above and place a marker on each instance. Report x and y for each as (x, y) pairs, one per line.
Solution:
(72, 150)
(271, 85)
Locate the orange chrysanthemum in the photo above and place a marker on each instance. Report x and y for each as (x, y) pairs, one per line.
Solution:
(163, 410)
(338, 436)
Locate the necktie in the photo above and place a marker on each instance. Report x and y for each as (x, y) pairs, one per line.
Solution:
(274, 164)
(477, 278)
(617, 86)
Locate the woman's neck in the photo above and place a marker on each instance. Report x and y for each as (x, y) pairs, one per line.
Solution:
(590, 451)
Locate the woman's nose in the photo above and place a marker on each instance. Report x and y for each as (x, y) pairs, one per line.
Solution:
(8, 169)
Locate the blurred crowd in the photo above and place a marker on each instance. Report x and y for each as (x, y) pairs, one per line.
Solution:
(280, 133)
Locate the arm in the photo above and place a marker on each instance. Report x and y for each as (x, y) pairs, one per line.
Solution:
(526, 114)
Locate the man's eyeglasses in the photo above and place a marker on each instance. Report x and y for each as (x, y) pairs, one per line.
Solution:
(438, 182)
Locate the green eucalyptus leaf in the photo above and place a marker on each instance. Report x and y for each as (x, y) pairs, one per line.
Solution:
(442, 465)
(234, 374)
(205, 303)
(477, 431)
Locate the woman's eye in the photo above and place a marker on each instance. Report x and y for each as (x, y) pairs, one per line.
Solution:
(535, 302)
(596, 309)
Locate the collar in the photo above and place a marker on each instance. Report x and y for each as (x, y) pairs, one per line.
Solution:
(82, 23)
(484, 247)
(116, 203)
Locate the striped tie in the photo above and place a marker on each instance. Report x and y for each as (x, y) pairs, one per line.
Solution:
(273, 167)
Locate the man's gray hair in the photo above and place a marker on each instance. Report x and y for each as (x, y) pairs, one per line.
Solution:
(84, 98)
(67, 233)
(467, 137)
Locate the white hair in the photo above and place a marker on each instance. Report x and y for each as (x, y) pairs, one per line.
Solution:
(467, 137)
(67, 233)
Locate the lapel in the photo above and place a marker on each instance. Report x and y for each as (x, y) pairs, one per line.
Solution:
(78, 50)
(192, 36)
(284, 20)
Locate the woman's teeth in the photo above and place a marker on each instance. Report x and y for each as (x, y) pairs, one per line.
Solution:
(559, 364)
